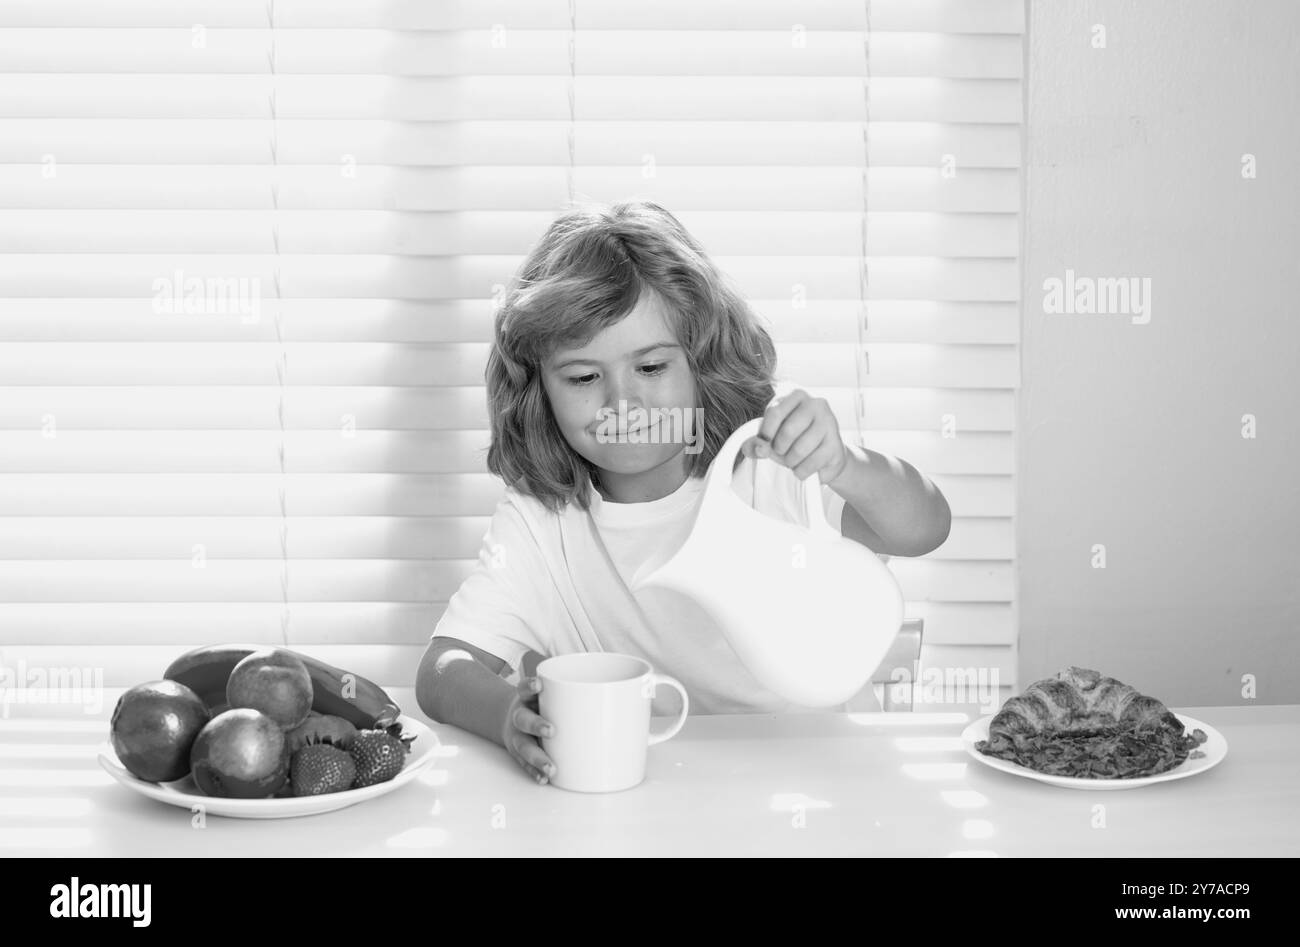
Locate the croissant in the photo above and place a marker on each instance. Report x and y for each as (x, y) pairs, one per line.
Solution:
(1076, 701)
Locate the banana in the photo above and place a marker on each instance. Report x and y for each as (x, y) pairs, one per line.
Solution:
(341, 693)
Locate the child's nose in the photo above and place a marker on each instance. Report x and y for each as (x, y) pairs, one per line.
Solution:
(625, 390)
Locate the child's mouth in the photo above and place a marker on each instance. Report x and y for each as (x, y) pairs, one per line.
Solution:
(635, 430)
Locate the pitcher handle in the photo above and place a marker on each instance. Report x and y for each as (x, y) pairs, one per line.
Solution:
(720, 470)
(720, 473)
(654, 682)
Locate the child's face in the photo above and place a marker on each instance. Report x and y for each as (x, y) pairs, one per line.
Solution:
(636, 361)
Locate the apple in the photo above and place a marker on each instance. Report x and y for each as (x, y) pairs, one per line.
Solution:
(274, 681)
(241, 754)
(153, 727)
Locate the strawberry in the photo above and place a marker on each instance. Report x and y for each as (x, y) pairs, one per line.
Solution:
(321, 768)
(379, 754)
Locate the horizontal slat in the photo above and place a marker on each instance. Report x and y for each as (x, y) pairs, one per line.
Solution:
(953, 672)
(987, 706)
(915, 409)
(385, 451)
(950, 411)
(139, 407)
(242, 452)
(965, 623)
(728, 233)
(951, 16)
(247, 278)
(534, 188)
(72, 319)
(977, 495)
(512, 51)
(339, 409)
(476, 98)
(378, 494)
(953, 581)
(201, 539)
(980, 538)
(890, 365)
(89, 319)
(127, 665)
(190, 624)
(931, 453)
(235, 363)
(372, 580)
(371, 142)
(439, 366)
(245, 580)
(190, 494)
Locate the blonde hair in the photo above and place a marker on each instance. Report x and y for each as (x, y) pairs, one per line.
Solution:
(587, 272)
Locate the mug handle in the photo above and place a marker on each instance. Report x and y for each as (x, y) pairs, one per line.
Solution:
(664, 679)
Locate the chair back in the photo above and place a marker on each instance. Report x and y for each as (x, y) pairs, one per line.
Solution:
(893, 683)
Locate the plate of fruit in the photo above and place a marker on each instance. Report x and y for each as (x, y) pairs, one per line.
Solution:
(254, 732)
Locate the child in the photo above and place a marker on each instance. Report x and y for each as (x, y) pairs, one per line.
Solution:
(621, 361)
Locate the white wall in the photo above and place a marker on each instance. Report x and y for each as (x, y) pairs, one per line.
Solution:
(1130, 435)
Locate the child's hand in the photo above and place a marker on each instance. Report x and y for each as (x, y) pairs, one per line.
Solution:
(522, 727)
(800, 432)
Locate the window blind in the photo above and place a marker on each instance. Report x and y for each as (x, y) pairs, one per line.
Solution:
(250, 249)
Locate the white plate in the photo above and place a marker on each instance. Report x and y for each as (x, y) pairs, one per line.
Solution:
(184, 793)
(1215, 749)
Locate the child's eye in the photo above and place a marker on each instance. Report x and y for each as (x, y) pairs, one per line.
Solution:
(658, 368)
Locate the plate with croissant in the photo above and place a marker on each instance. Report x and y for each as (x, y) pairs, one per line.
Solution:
(1081, 730)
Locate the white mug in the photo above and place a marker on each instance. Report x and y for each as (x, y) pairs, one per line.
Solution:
(599, 704)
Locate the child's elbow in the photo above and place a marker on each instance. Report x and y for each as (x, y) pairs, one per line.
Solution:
(426, 680)
(942, 528)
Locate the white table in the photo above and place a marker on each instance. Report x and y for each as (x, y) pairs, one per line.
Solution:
(809, 784)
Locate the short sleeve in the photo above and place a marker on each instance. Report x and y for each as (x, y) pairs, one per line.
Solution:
(785, 493)
(776, 491)
(491, 608)
(833, 504)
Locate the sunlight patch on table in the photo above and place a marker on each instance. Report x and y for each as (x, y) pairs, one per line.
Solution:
(425, 836)
(42, 837)
(48, 751)
(43, 725)
(67, 807)
(54, 777)
(433, 777)
(964, 798)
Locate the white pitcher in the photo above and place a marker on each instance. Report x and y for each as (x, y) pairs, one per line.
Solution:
(810, 613)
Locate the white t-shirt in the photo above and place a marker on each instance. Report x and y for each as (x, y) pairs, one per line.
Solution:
(558, 583)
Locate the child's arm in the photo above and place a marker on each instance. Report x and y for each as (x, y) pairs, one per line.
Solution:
(461, 685)
(889, 506)
(909, 516)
